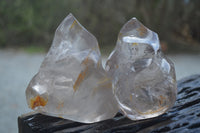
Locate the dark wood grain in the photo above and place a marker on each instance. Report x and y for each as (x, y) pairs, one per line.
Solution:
(183, 117)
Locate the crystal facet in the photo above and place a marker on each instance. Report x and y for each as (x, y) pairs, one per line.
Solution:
(71, 82)
(143, 79)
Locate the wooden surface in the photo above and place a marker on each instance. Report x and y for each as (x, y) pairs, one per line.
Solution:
(184, 117)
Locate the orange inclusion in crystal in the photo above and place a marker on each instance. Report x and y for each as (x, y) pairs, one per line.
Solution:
(161, 100)
(82, 75)
(133, 44)
(80, 79)
(73, 24)
(142, 31)
(153, 111)
(37, 101)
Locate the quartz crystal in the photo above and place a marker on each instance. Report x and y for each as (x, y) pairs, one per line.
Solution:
(71, 82)
(143, 79)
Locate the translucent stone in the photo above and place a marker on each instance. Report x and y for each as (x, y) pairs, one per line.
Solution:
(144, 81)
(71, 82)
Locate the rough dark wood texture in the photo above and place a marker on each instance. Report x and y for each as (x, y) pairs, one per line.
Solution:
(184, 117)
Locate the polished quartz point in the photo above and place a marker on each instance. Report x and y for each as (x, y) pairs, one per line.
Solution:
(71, 82)
(143, 79)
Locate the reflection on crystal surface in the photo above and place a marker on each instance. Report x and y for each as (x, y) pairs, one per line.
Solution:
(144, 81)
(71, 82)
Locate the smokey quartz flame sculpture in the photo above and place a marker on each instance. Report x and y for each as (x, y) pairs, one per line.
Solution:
(143, 79)
(71, 82)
